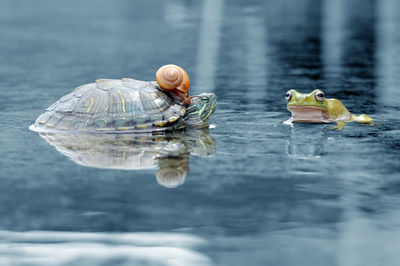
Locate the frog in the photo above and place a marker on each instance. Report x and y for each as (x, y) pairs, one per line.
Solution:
(315, 108)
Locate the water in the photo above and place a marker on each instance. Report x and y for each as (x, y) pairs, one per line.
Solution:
(258, 192)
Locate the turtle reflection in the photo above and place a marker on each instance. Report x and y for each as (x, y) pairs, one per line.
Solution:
(168, 152)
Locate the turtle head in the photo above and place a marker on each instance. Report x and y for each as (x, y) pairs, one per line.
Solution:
(200, 109)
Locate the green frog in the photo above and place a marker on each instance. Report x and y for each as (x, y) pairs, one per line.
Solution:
(315, 108)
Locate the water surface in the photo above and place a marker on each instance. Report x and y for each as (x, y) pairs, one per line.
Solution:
(265, 193)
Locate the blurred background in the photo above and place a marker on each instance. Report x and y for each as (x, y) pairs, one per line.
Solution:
(259, 192)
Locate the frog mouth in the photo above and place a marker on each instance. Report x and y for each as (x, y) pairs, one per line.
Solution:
(311, 114)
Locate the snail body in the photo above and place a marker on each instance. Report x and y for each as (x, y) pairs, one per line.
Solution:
(174, 79)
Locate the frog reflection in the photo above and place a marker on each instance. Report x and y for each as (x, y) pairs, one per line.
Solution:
(169, 152)
(306, 143)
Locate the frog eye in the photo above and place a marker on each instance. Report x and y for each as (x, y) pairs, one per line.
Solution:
(288, 95)
(205, 99)
(319, 96)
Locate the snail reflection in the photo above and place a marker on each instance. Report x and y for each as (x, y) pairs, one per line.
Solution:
(168, 153)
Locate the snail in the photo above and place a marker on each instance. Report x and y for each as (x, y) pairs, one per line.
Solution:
(172, 78)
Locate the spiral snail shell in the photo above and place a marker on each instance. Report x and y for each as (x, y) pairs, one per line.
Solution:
(174, 79)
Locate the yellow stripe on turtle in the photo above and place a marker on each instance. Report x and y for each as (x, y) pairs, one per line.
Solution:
(90, 106)
(123, 102)
(160, 124)
(123, 156)
(155, 100)
(105, 129)
(124, 128)
(143, 126)
(173, 119)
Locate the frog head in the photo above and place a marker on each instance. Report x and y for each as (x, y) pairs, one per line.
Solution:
(311, 107)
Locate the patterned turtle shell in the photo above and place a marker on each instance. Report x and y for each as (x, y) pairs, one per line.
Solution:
(109, 105)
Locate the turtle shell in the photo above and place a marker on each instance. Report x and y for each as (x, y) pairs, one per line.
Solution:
(112, 105)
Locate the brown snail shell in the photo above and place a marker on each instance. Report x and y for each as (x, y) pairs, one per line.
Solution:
(173, 78)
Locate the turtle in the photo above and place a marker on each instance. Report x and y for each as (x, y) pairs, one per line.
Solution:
(124, 105)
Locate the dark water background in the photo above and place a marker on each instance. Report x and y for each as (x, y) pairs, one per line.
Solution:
(269, 194)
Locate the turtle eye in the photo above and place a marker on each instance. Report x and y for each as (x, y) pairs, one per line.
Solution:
(319, 96)
(288, 95)
(205, 99)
